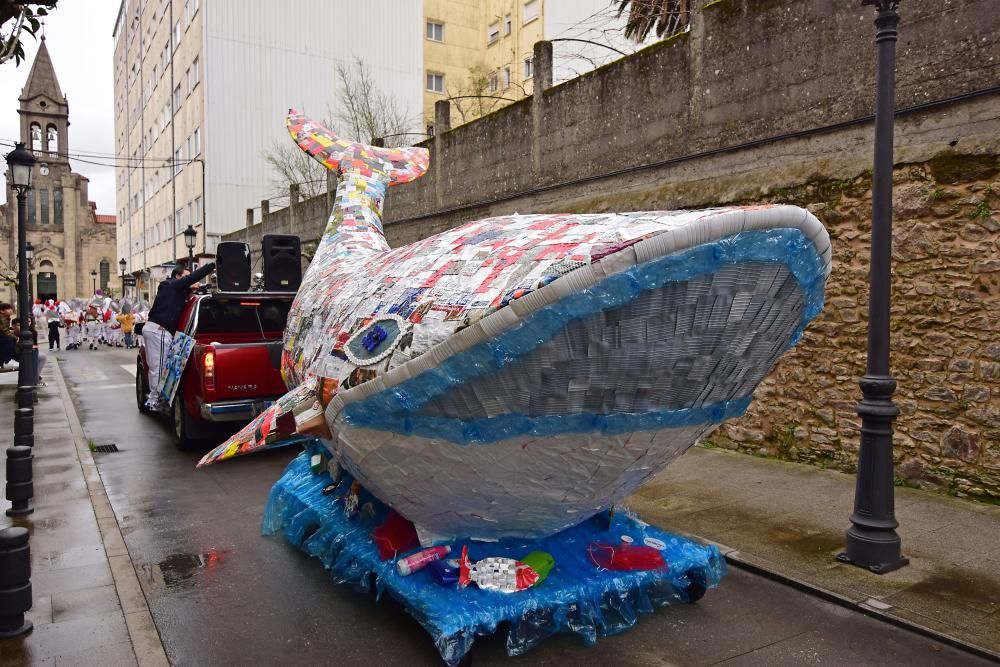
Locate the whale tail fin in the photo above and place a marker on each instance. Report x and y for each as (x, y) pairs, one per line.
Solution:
(401, 165)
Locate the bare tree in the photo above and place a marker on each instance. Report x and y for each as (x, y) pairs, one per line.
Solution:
(482, 91)
(364, 112)
(291, 165)
(469, 97)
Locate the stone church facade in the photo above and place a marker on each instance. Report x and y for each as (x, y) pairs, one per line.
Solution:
(70, 239)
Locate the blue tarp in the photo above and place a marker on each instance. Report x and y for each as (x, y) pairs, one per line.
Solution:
(576, 597)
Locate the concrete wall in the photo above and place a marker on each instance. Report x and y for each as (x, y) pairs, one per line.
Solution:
(770, 101)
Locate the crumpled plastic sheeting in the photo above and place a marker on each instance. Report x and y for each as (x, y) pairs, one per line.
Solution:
(576, 597)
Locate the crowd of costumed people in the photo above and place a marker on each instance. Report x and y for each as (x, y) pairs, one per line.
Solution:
(101, 321)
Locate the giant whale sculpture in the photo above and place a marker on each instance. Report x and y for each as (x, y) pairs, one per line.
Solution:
(516, 375)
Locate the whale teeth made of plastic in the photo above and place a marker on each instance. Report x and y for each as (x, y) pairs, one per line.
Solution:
(516, 375)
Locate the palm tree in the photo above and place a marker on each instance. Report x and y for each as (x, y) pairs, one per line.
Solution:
(667, 16)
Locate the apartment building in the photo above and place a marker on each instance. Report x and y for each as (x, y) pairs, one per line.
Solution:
(479, 53)
(201, 91)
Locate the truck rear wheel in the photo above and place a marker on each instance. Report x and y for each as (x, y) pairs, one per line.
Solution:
(182, 428)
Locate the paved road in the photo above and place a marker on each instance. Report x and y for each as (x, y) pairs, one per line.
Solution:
(221, 594)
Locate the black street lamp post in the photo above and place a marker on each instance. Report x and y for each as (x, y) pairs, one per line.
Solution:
(190, 237)
(122, 264)
(29, 254)
(93, 279)
(872, 541)
(21, 162)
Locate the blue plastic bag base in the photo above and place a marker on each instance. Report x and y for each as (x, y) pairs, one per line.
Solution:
(576, 597)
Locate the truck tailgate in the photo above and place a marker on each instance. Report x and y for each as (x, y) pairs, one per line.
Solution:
(247, 370)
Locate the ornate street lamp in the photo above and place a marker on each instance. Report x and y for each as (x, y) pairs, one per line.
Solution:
(93, 279)
(29, 254)
(190, 236)
(20, 163)
(872, 541)
(122, 264)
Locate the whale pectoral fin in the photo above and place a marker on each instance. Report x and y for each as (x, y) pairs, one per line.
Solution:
(275, 427)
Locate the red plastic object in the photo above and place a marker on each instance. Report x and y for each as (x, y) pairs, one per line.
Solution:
(625, 557)
(394, 536)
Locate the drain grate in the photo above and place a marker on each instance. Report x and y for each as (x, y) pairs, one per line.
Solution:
(105, 449)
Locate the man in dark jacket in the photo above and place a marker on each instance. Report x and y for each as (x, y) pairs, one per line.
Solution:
(161, 324)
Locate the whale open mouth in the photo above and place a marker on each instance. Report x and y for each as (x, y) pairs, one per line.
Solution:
(650, 337)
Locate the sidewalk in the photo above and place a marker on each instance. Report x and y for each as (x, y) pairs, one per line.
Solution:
(88, 606)
(789, 520)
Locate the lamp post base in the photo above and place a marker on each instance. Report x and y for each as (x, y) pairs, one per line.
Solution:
(16, 627)
(20, 508)
(877, 551)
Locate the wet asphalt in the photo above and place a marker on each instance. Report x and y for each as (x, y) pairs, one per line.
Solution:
(221, 594)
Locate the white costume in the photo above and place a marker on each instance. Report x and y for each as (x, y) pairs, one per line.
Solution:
(156, 340)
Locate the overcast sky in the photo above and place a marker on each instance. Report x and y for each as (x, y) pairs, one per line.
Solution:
(78, 35)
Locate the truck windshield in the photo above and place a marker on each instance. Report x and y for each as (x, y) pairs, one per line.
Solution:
(247, 316)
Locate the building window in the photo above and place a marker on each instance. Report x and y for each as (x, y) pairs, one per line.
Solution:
(179, 221)
(530, 10)
(528, 67)
(36, 138)
(506, 25)
(52, 139)
(31, 207)
(177, 35)
(430, 130)
(494, 82)
(177, 161)
(195, 72)
(105, 269)
(506, 77)
(43, 204)
(177, 97)
(197, 141)
(435, 82)
(435, 31)
(57, 204)
(493, 32)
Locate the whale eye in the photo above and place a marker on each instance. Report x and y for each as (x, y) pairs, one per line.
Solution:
(376, 341)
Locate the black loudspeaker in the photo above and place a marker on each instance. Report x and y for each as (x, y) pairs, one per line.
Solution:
(282, 263)
(232, 261)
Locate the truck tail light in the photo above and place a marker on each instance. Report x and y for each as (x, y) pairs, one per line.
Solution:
(209, 363)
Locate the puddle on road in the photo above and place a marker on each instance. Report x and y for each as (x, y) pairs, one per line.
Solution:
(179, 572)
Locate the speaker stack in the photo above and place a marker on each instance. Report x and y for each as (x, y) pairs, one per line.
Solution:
(232, 261)
(282, 263)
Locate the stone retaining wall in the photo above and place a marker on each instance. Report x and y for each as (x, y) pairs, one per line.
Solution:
(945, 332)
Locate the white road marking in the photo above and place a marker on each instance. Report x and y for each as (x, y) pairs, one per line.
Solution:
(113, 386)
(130, 368)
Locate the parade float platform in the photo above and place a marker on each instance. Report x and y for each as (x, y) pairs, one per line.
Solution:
(576, 596)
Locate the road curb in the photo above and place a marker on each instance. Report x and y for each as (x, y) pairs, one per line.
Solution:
(735, 559)
(146, 642)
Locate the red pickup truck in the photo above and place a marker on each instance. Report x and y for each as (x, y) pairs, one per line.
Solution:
(234, 371)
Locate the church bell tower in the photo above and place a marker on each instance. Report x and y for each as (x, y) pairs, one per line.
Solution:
(44, 113)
